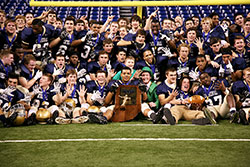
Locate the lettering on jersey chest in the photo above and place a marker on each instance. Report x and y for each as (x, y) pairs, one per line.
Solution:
(2, 75)
(66, 42)
(43, 40)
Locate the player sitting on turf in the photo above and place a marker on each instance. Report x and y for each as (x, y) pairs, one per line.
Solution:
(218, 99)
(241, 92)
(43, 97)
(12, 103)
(70, 98)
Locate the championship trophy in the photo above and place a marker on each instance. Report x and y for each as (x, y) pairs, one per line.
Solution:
(127, 103)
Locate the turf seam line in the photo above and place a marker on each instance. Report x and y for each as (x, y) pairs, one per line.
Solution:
(124, 139)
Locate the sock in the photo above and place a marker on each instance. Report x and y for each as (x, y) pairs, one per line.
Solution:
(150, 112)
(232, 110)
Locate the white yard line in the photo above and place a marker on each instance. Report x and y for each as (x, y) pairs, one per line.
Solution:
(123, 139)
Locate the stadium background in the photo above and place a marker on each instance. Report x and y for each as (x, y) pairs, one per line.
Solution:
(15, 7)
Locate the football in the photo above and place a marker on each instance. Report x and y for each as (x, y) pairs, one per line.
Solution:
(197, 99)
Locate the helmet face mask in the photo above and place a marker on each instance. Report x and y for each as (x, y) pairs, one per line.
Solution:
(68, 107)
(21, 114)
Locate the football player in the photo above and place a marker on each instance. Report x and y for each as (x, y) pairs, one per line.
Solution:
(8, 36)
(241, 92)
(101, 64)
(137, 47)
(43, 95)
(120, 60)
(218, 99)
(70, 99)
(80, 66)
(181, 108)
(58, 69)
(183, 63)
(202, 66)
(62, 43)
(37, 40)
(113, 29)
(149, 61)
(6, 60)
(230, 67)
(240, 49)
(14, 103)
(29, 74)
(90, 44)
(159, 43)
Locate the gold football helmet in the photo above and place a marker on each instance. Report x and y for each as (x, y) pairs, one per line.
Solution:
(20, 110)
(42, 115)
(68, 106)
(93, 109)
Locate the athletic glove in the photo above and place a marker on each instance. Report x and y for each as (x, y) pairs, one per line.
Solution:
(143, 87)
(63, 34)
(114, 87)
(38, 75)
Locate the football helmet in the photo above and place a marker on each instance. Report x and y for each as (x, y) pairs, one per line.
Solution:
(20, 110)
(42, 115)
(68, 107)
(92, 109)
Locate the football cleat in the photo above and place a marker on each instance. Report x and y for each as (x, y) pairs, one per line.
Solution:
(79, 120)
(209, 115)
(201, 121)
(53, 117)
(31, 120)
(98, 119)
(234, 117)
(62, 121)
(156, 117)
(169, 116)
(243, 118)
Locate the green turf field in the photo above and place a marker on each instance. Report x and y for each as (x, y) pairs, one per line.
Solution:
(125, 153)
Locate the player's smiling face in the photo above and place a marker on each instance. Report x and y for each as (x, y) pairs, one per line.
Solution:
(123, 32)
(140, 39)
(246, 76)
(155, 28)
(239, 44)
(185, 85)
(205, 79)
(145, 76)
(11, 27)
(95, 28)
(125, 75)
(148, 56)
(101, 77)
(171, 77)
